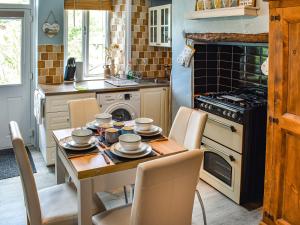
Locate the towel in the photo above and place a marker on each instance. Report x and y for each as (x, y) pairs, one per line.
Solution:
(38, 106)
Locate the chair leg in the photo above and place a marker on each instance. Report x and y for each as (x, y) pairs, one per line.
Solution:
(28, 223)
(202, 207)
(132, 192)
(125, 194)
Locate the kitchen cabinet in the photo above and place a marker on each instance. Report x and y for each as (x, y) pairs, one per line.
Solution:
(282, 180)
(56, 117)
(160, 26)
(155, 105)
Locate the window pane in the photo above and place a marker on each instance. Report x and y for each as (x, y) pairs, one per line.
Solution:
(75, 34)
(97, 39)
(14, 1)
(10, 51)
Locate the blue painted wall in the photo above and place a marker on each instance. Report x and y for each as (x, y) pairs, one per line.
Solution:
(45, 6)
(160, 2)
(182, 77)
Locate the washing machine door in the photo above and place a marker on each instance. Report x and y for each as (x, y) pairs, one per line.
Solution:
(122, 112)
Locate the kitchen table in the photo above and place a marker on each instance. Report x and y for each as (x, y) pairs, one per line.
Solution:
(91, 173)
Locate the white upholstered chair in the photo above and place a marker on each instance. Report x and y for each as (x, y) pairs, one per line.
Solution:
(188, 128)
(56, 205)
(82, 111)
(164, 193)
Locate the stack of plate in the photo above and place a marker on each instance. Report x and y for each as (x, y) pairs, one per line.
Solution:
(153, 131)
(69, 144)
(94, 125)
(142, 151)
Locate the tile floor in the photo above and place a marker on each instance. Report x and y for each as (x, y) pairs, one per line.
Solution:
(219, 209)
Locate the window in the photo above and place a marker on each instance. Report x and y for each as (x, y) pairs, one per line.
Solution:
(86, 39)
(10, 50)
(15, 2)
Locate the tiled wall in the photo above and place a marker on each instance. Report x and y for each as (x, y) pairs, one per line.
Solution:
(147, 60)
(118, 29)
(50, 64)
(228, 67)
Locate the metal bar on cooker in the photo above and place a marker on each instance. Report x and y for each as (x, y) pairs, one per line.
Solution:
(230, 127)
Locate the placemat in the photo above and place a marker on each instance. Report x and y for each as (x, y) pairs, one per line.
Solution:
(72, 154)
(117, 159)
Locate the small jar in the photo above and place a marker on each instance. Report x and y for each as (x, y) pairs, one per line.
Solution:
(207, 4)
(217, 4)
(199, 5)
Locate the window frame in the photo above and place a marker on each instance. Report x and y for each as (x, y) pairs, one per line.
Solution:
(85, 41)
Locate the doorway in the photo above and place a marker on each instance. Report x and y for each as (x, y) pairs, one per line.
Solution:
(15, 73)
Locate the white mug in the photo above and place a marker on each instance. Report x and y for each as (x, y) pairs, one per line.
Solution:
(79, 71)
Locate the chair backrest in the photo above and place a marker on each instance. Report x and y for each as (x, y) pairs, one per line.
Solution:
(188, 127)
(165, 190)
(28, 183)
(82, 111)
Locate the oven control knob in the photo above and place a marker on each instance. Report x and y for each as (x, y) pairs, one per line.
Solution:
(202, 104)
(206, 106)
(210, 107)
(234, 115)
(229, 114)
(224, 112)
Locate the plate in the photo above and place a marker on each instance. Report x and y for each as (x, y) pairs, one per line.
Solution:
(95, 125)
(153, 129)
(69, 147)
(76, 145)
(159, 131)
(146, 152)
(141, 149)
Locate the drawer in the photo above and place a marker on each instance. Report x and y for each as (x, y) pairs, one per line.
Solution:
(58, 120)
(60, 103)
(225, 132)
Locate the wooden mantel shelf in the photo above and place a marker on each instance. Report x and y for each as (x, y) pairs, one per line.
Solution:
(223, 12)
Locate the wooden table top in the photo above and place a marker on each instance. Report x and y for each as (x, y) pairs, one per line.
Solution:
(94, 164)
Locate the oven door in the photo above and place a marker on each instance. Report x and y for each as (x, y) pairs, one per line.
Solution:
(221, 168)
(122, 112)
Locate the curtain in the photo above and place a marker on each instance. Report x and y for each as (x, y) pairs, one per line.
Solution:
(88, 4)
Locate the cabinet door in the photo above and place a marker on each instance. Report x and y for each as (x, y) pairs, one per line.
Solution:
(165, 26)
(282, 189)
(154, 105)
(153, 26)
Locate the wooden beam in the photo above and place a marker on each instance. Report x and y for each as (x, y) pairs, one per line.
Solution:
(229, 37)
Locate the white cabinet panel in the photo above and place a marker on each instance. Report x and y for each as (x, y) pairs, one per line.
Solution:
(155, 105)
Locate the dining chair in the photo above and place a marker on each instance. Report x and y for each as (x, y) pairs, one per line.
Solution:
(187, 130)
(164, 193)
(82, 111)
(188, 127)
(56, 205)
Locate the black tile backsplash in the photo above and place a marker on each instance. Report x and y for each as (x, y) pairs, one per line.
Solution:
(223, 67)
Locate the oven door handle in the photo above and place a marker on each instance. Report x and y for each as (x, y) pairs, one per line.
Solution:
(229, 127)
(231, 157)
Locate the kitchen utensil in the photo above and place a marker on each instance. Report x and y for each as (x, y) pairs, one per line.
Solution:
(127, 130)
(111, 135)
(103, 118)
(143, 124)
(130, 142)
(82, 135)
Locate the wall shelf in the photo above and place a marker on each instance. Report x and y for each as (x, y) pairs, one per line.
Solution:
(223, 12)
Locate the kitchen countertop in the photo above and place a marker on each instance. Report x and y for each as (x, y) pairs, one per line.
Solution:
(99, 86)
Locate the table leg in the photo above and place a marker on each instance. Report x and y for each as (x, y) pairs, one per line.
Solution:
(85, 202)
(59, 168)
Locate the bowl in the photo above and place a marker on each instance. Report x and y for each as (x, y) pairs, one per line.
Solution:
(118, 125)
(82, 136)
(130, 142)
(103, 118)
(143, 124)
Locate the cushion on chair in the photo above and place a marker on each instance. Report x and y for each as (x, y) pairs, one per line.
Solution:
(117, 216)
(59, 205)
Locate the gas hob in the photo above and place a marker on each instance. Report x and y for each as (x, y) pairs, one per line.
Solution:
(232, 105)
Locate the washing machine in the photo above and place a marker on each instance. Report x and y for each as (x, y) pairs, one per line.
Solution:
(123, 106)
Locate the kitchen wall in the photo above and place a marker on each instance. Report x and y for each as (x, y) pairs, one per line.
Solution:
(182, 77)
(147, 60)
(50, 50)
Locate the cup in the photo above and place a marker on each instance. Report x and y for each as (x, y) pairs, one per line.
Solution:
(79, 71)
(103, 118)
(112, 135)
(127, 130)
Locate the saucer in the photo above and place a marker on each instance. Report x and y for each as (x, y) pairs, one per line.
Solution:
(147, 151)
(141, 148)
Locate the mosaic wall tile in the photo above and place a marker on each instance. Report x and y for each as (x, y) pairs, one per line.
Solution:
(50, 64)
